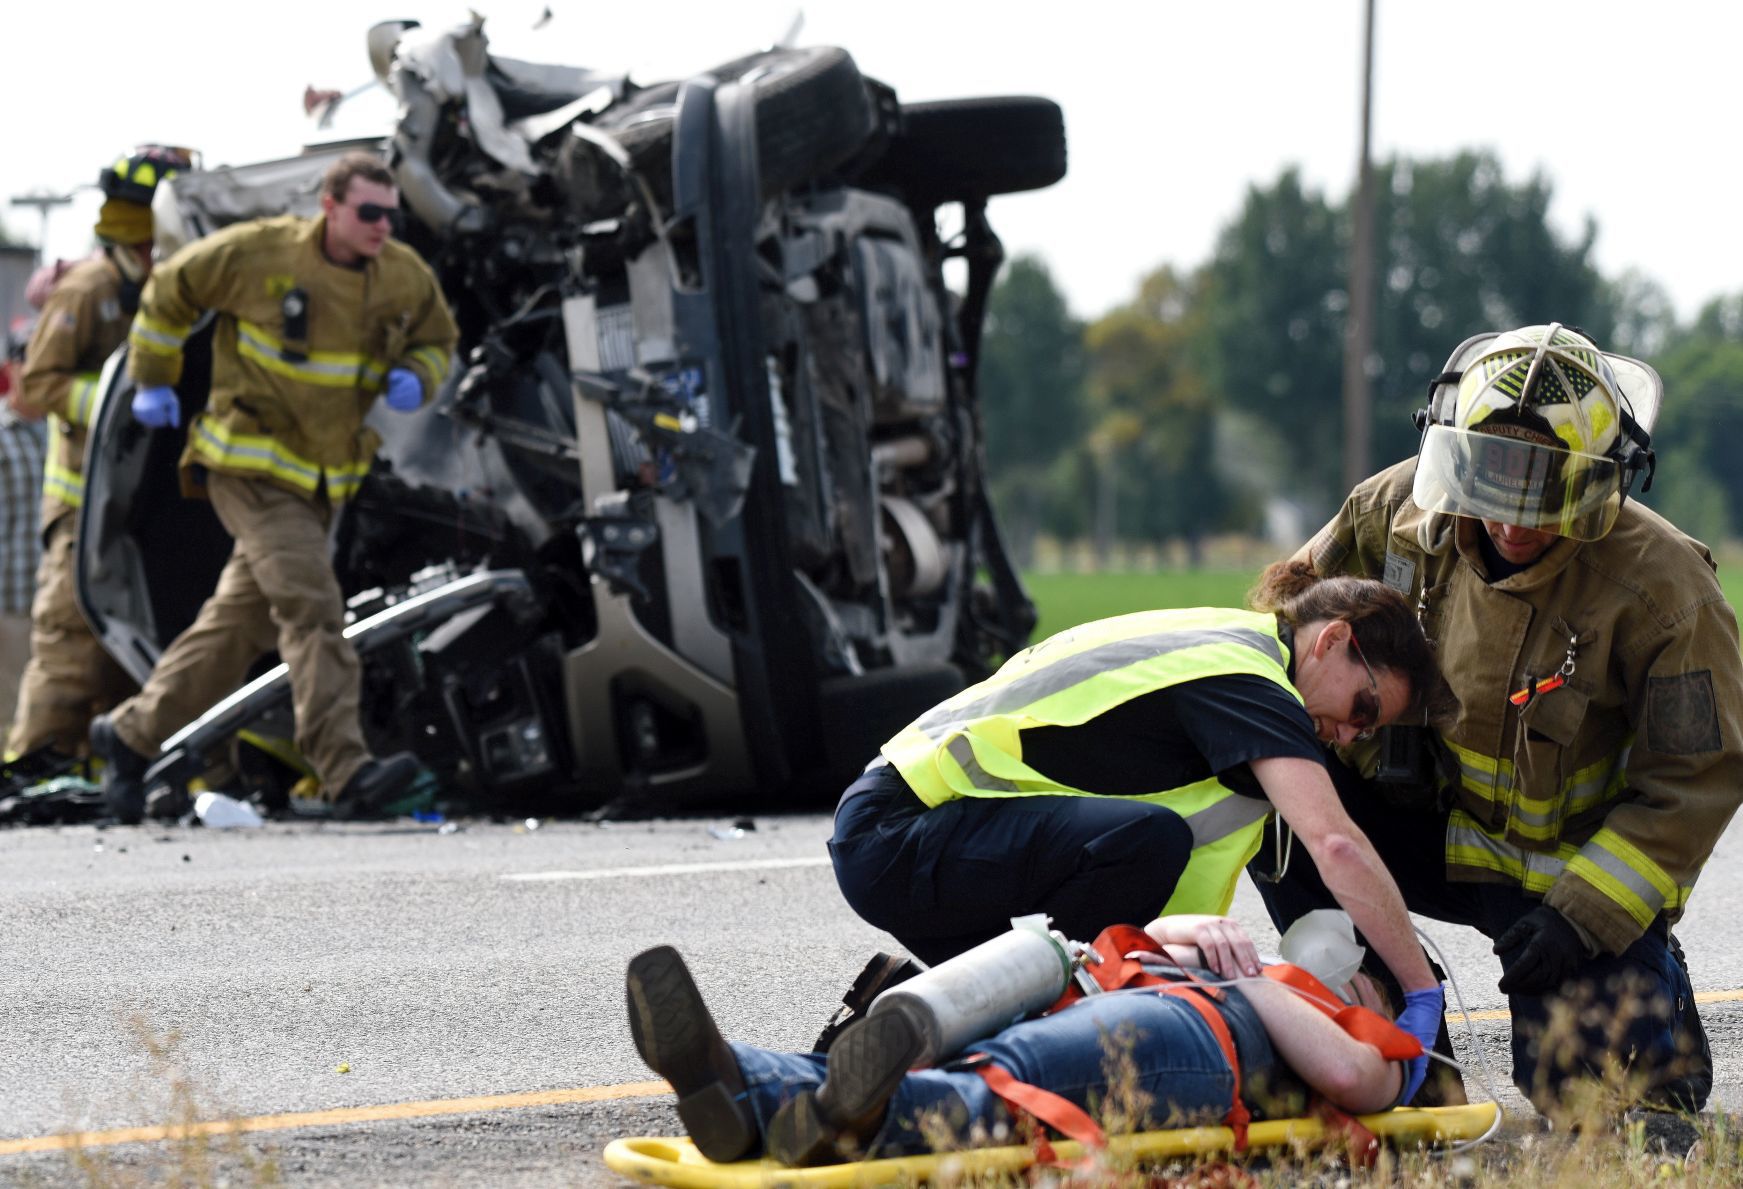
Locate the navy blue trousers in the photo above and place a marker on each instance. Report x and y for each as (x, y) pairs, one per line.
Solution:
(1636, 1007)
(946, 879)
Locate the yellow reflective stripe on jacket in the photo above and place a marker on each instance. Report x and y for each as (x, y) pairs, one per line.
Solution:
(1599, 782)
(1623, 872)
(215, 443)
(433, 360)
(1540, 818)
(159, 338)
(66, 486)
(81, 397)
(1469, 846)
(1480, 774)
(1617, 869)
(328, 369)
(58, 480)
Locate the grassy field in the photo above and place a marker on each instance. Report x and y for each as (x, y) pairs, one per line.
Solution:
(1067, 599)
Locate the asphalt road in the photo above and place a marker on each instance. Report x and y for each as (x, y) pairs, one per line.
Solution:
(396, 1005)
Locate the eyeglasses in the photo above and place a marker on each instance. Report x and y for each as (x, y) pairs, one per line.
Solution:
(374, 212)
(1366, 716)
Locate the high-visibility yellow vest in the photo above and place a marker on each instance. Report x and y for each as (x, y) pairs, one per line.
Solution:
(971, 745)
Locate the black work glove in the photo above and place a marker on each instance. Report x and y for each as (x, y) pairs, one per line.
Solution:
(1538, 952)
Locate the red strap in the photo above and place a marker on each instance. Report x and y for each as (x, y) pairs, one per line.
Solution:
(1063, 1115)
(1394, 1043)
(1238, 1116)
(1361, 1146)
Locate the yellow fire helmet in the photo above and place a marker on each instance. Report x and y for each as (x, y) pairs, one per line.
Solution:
(1537, 427)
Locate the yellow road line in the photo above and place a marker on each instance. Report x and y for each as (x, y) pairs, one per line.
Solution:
(1503, 1014)
(353, 1114)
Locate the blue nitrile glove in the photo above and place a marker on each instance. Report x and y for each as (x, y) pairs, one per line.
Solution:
(1421, 1018)
(405, 392)
(157, 406)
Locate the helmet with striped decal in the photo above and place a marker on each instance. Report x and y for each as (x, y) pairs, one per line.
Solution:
(1537, 427)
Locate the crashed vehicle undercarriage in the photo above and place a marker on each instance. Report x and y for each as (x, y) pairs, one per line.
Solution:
(702, 512)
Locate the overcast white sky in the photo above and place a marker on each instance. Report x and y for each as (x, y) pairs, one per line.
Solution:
(1172, 109)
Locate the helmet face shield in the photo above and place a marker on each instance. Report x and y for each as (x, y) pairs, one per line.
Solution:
(1514, 480)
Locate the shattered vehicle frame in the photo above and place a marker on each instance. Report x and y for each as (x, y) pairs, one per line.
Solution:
(702, 513)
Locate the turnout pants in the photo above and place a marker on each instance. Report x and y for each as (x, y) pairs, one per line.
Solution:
(1636, 1007)
(278, 590)
(70, 678)
(944, 880)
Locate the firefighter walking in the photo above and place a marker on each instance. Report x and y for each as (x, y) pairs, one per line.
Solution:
(70, 677)
(316, 318)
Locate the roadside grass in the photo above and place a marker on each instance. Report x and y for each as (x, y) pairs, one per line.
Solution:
(1067, 599)
(192, 1156)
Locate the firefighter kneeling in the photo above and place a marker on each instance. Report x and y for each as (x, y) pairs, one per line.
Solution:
(1597, 752)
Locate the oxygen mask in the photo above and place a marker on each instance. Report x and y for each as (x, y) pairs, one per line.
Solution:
(1323, 943)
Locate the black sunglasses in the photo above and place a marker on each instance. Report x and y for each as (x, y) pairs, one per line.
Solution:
(374, 212)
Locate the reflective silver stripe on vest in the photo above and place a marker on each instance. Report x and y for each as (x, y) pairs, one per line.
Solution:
(1230, 815)
(1213, 823)
(1104, 658)
(962, 751)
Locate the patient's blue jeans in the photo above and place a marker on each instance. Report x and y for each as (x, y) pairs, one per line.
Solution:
(1172, 1055)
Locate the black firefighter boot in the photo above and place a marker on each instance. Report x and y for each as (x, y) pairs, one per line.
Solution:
(375, 784)
(123, 772)
(880, 974)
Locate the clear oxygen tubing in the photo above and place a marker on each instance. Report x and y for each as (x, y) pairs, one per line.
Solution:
(1484, 1079)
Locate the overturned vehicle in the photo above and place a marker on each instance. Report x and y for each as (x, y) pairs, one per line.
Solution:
(701, 514)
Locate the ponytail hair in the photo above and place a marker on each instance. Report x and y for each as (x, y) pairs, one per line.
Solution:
(1386, 628)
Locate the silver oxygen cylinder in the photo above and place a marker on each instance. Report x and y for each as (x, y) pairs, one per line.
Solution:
(973, 995)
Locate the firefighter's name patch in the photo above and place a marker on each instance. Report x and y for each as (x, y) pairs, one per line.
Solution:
(1400, 573)
(1682, 717)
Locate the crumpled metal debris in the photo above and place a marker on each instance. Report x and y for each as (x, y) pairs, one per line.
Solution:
(65, 800)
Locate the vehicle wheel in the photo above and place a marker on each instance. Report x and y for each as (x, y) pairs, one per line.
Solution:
(812, 113)
(957, 149)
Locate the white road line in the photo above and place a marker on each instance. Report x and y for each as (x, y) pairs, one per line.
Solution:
(666, 869)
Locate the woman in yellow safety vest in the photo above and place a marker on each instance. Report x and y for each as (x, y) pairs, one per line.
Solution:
(1128, 767)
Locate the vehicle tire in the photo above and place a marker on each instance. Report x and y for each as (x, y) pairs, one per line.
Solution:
(961, 149)
(812, 113)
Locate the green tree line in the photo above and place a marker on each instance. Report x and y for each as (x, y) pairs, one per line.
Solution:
(1213, 397)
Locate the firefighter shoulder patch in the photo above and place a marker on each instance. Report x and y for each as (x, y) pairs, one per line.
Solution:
(1682, 717)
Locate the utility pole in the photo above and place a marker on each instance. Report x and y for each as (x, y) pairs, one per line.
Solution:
(44, 202)
(1359, 331)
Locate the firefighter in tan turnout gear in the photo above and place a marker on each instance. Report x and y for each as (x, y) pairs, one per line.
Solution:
(1597, 754)
(86, 316)
(315, 319)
